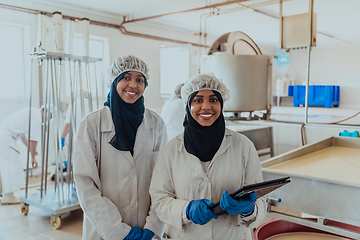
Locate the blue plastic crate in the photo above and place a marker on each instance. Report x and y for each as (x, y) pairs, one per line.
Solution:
(319, 95)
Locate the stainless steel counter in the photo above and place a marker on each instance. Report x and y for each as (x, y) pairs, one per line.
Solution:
(261, 135)
(328, 199)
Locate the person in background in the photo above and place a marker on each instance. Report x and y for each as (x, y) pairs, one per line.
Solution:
(202, 166)
(78, 117)
(115, 152)
(15, 127)
(173, 113)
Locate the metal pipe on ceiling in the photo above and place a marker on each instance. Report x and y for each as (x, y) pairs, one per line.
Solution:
(98, 23)
(142, 35)
(216, 5)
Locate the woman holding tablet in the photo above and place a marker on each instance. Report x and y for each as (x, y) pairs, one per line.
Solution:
(202, 166)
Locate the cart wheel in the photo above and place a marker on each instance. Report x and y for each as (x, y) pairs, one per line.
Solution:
(55, 221)
(24, 208)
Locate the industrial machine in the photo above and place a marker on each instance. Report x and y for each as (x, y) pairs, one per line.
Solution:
(236, 60)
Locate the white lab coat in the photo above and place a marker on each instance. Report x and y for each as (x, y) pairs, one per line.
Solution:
(12, 129)
(179, 177)
(113, 185)
(173, 114)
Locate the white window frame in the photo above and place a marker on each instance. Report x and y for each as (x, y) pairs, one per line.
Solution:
(26, 63)
(103, 86)
(174, 67)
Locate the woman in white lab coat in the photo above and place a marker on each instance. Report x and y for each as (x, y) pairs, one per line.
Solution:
(202, 166)
(115, 152)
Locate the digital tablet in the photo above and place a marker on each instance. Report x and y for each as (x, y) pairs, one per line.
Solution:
(260, 189)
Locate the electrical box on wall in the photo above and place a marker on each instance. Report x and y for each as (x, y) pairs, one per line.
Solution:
(297, 31)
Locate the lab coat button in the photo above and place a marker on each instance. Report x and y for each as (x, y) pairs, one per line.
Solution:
(132, 203)
(132, 174)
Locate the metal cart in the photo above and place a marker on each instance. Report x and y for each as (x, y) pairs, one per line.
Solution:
(51, 68)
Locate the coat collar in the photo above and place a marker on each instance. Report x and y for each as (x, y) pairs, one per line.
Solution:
(224, 145)
(194, 161)
(107, 124)
(142, 135)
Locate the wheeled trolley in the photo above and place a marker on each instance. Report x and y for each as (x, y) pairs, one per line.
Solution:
(61, 198)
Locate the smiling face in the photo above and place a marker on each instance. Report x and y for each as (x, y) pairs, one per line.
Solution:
(131, 86)
(205, 107)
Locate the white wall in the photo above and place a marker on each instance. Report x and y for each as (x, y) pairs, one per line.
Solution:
(120, 44)
(331, 66)
(146, 49)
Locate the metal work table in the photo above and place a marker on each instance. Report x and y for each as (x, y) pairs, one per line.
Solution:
(327, 199)
(260, 135)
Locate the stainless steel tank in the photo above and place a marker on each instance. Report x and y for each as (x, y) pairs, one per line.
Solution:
(247, 77)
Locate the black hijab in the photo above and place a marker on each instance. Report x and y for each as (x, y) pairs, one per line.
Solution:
(126, 117)
(203, 141)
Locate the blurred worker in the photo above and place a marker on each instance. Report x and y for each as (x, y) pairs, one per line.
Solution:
(115, 152)
(79, 115)
(173, 113)
(14, 127)
(202, 166)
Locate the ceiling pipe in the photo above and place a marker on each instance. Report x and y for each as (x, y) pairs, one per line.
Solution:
(103, 24)
(136, 34)
(186, 11)
(125, 32)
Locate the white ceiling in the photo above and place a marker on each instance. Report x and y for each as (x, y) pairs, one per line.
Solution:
(337, 18)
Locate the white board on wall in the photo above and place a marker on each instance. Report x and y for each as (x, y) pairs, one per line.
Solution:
(174, 68)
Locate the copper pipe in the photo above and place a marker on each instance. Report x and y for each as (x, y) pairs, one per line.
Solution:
(20, 9)
(103, 24)
(186, 11)
(135, 34)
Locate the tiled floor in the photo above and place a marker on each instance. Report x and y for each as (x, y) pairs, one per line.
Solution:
(36, 225)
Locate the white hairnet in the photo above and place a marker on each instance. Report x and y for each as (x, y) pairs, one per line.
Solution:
(128, 63)
(177, 90)
(49, 110)
(204, 82)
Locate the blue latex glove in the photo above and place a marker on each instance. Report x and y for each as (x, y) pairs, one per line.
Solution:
(198, 211)
(243, 206)
(62, 143)
(65, 166)
(147, 234)
(134, 234)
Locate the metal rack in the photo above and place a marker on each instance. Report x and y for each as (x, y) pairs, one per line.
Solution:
(51, 68)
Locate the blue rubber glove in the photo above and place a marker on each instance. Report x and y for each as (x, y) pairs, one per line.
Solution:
(65, 166)
(244, 206)
(147, 234)
(62, 143)
(198, 211)
(134, 234)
